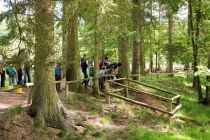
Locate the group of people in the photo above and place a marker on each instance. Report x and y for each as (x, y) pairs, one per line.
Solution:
(16, 76)
(107, 70)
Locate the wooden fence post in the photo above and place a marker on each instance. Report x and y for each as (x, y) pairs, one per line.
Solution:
(66, 90)
(106, 91)
(30, 94)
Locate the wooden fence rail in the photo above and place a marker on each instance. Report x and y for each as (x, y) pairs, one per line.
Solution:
(175, 100)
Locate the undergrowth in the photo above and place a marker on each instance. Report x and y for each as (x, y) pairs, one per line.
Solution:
(144, 124)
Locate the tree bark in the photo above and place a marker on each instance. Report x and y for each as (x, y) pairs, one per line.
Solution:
(46, 106)
(151, 61)
(141, 15)
(169, 46)
(208, 87)
(124, 70)
(194, 38)
(96, 58)
(72, 49)
(64, 37)
(136, 39)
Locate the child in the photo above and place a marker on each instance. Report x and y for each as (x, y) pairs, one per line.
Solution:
(90, 72)
(102, 77)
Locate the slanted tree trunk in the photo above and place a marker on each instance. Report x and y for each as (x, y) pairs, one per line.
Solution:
(72, 49)
(136, 41)
(46, 106)
(124, 70)
(169, 46)
(194, 38)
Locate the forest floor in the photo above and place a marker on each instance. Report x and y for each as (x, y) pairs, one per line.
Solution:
(119, 119)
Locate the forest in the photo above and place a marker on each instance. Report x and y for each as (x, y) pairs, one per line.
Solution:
(105, 69)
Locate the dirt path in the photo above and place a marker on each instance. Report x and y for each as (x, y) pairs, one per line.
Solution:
(10, 99)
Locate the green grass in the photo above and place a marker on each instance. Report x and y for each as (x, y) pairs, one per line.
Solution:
(144, 124)
(174, 130)
(13, 111)
(139, 133)
(89, 103)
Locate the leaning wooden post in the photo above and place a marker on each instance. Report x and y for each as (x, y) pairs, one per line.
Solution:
(66, 89)
(30, 94)
(170, 104)
(178, 101)
(106, 91)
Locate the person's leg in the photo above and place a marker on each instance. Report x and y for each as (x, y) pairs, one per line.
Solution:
(85, 76)
(13, 81)
(59, 84)
(3, 78)
(102, 82)
(99, 80)
(28, 75)
(10, 81)
(56, 79)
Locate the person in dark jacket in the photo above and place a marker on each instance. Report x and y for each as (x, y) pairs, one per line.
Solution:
(3, 75)
(58, 76)
(84, 66)
(21, 75)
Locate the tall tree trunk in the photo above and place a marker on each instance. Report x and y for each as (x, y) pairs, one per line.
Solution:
(96, 58)
(46, 106)
(169, 46)
(136, 41)
(72, 49)
(64, 36)
(124, 70)
(194, 38)
(159, 45)
(208, 87)
(151, 61)
(141, 15)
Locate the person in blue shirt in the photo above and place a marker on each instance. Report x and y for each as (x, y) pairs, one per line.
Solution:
(58, 75)
(102, 77)
(13, 76)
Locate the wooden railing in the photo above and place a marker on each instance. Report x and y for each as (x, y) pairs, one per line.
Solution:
(173, 101)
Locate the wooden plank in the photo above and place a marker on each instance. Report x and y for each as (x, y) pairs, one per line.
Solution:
(175, 97)
(137, 82)
(140, 91)
(139, 103)
(116, 90)
(119, 79)
(176, 109)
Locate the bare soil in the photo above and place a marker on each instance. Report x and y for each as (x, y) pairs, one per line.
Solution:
(10, 99)
(20, 126)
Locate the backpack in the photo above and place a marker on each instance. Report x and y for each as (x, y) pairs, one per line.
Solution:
(11, 71)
